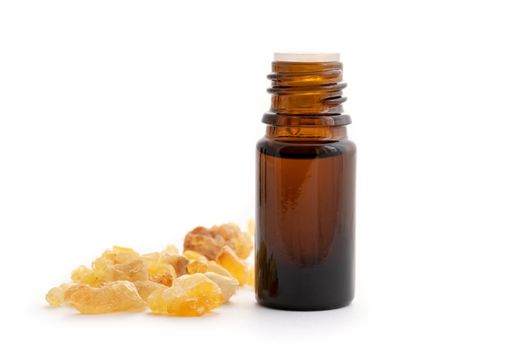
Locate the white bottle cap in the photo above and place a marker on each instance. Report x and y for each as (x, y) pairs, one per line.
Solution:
(305, 57)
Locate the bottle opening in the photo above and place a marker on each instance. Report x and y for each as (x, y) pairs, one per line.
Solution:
(305, 57)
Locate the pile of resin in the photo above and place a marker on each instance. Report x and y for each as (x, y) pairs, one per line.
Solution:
(207, 273)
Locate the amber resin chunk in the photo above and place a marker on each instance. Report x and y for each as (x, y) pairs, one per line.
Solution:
(85, 275)
(209, 242)
(239, 241)
(190, 295)
(145, 288)
(179, 263)
(197, 266)
(116, 264)
(214, 267)
(134, 270)
(201, 240)
(55, 296)
(231, 262)
(193, 255)
(111, 297)
(228, 285)
(158, 269)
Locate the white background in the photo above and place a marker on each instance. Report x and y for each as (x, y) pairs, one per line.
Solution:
(131, 122)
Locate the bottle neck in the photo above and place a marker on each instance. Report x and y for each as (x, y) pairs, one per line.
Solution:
(306, 94)
(306, 133)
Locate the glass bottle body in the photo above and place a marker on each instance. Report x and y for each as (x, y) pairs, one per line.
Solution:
(305, 222)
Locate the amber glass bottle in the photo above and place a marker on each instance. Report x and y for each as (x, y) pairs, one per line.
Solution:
(304, 247)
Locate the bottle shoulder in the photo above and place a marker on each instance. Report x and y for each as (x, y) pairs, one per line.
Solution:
(305, 148)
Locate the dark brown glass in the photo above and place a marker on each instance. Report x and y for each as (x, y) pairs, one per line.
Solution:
(304, 247)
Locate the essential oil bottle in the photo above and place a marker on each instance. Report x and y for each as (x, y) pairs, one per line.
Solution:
(304, 246)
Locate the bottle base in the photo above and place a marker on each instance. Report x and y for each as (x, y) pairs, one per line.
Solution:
(289, 307)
